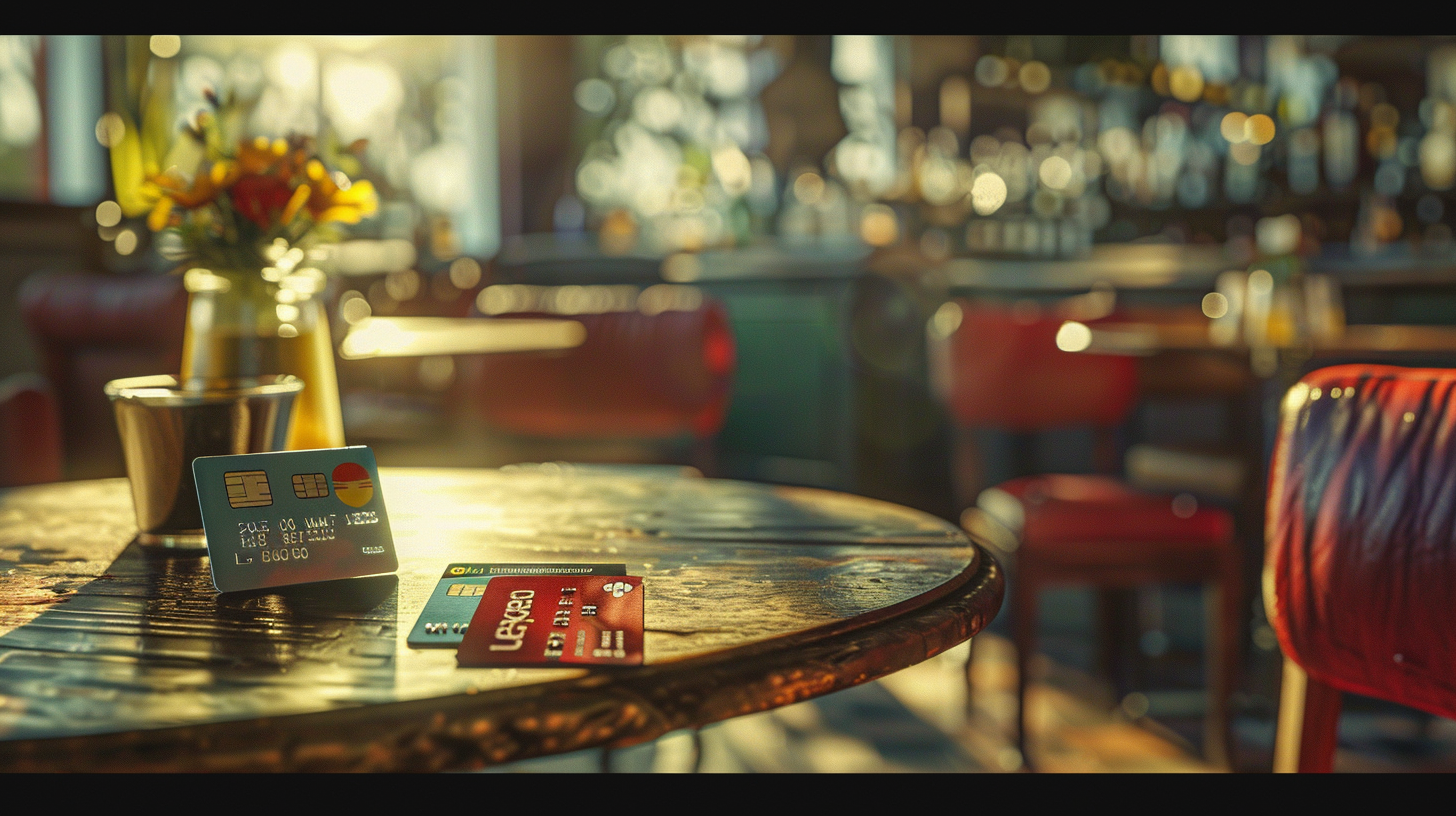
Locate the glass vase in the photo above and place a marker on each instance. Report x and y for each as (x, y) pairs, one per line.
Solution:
(242, 326)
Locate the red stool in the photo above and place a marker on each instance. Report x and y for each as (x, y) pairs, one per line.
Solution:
(1360, 569)
(1007, 372)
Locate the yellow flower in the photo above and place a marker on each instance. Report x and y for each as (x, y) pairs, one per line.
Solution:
(225, 173)
(159, 216)
(329, 202)
(295, 203)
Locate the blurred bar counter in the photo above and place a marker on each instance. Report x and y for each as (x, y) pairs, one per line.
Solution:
(1394, 285)
(1178, 268)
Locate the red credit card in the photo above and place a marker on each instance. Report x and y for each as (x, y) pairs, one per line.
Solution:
(535, 620)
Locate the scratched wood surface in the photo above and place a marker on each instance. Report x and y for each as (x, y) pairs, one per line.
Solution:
(117, 658)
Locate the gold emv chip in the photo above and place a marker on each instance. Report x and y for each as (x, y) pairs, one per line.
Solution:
(310, 485)
(247, 488)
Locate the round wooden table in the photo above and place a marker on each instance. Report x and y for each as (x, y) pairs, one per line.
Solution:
(116, 658)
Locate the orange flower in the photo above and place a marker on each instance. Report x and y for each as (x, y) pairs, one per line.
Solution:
(260, 155)
(174, 190)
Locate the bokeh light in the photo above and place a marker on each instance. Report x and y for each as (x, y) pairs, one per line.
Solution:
(1231, 127)
(1034, 77)
(1074, 336)
(1186, 83)
(110, 129)
(465, 273)
(991, 71)
(1259, 129)
(1215, 305)
(878, 225)
(108, 214)
(988, 193)
(126, 242)
(595, 96)
(165, 45)
(1055, 172)
(947, 319)
(809, 188)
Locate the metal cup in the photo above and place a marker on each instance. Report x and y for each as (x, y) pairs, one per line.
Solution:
(164, 427)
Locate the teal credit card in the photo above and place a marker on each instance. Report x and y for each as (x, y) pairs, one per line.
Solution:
(293, 517)
(447, 613)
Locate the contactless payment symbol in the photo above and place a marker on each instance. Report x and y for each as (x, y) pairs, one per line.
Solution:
(352, 484)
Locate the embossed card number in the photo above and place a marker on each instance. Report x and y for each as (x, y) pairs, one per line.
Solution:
(293, 517)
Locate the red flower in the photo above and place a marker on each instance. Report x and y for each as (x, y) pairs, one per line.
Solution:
(261, 198)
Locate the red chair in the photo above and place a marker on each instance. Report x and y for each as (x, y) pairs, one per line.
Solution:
(30, 432)
(1006, 371)
(1360, 564)
(636, 376)
(90, 329)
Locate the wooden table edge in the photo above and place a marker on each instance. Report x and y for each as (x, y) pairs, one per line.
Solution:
(599, 709)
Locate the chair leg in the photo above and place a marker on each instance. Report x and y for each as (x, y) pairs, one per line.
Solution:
(970, 679)
(1116, 615)
(1023, 626)
(1223, 661)
(1309, 719)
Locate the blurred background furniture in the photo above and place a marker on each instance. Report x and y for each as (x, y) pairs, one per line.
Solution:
(1005, 370)
(1360, 564)
(657, 372)
(90, 329)
(30, 432)
(830, 384)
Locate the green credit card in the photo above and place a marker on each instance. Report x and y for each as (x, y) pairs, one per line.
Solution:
(293, 517)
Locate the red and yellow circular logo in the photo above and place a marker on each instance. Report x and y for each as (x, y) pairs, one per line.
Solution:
(352, 484)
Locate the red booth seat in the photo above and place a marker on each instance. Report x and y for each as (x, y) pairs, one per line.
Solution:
(636, 376)
(90, 329)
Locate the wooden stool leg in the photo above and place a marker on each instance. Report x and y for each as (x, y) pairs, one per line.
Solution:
(1116, 630)
(1222, 661)
(1023, 625)
(970, 679)
(1309, 720)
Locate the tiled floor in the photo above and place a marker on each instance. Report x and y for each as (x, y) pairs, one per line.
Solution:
(912, 721)
(917, 721)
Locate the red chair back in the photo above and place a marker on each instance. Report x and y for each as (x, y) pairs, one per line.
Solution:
(1007, 372)
(30, 432)
(1361, 532)
(636, 376)
(90, 329)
